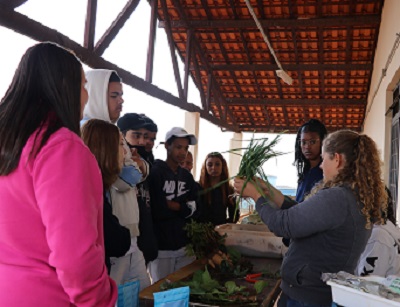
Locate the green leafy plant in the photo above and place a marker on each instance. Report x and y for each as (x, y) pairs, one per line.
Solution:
(258, 152)
(206, 289)
(260, 285)
(205, 241)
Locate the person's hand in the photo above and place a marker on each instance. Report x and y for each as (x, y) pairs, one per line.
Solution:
(264, 186)
(136, 158)
(249, 191)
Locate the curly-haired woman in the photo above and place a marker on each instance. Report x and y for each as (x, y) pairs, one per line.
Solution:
(330, 229)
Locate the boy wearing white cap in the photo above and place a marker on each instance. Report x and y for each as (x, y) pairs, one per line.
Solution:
(173, 192)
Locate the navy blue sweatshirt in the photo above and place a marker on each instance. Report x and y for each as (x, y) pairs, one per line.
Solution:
(165, 185)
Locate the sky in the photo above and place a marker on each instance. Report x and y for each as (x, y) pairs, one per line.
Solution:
(129, 51)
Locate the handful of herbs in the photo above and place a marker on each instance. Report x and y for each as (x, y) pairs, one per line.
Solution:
(256, 154)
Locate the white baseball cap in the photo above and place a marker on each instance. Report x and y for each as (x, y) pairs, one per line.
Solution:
(180, 133)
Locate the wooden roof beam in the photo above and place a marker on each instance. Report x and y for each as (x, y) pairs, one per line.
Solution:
(117, 24)
(289, 67)
(296, 102)
(12, 4)
(90, 24)
(285, 129)
(35, 30)
(152, 41)
(337, 21)
(171, 44)
(196, 45)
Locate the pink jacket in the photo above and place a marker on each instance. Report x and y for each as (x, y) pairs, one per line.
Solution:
(51, 228)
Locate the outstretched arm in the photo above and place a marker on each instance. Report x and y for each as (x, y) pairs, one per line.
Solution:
(253, 189)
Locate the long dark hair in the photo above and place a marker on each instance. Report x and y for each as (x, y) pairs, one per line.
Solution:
(44, 96)
(103, 138)
(205, 180)
(300, 161)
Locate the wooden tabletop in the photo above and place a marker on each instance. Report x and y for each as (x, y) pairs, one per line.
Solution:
(260, 264)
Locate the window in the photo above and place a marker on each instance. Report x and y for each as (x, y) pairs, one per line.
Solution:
(394, 149)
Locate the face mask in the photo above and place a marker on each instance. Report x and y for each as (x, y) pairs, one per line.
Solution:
(141, 150)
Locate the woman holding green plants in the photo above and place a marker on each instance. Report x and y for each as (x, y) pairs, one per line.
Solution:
(330, 229)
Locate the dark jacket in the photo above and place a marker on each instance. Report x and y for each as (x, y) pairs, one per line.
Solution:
(311, 177)
(328, 235)
(216, 211)
(117, 238)
(180, 187)
(147, 241)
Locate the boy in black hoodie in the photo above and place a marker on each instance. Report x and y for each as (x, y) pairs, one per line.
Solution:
(173, 192)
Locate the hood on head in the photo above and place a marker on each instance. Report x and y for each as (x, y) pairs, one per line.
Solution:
(97, 87)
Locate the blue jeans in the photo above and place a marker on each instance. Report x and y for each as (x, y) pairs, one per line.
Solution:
(286, 301)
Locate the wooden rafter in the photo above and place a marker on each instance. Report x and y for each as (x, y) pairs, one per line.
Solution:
(35, 30)
(327, 49)
(90, 24)
(172, 49)
(288, 23)
(152, 40)
(189, 38)
(115, 27)
(290, 67)
(295, 102)
(196, 45)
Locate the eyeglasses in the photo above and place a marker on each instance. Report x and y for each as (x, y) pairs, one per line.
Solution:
(308, 142)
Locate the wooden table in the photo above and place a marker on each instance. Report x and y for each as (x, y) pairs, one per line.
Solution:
(260, 264)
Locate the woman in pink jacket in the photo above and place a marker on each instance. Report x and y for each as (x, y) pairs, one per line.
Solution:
(51, 221)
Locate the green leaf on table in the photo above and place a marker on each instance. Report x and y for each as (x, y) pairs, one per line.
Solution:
(208, 282)
(198, 276)
(230, 287)
(260, 285)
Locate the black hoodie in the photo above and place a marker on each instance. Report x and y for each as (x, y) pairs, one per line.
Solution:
(180, 187)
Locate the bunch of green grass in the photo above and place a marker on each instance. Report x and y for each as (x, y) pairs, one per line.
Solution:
(258, 152)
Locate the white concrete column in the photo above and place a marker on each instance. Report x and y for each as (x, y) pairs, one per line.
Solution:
(234, 159)
(192, 124)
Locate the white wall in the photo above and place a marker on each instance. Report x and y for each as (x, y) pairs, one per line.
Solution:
(376, 124)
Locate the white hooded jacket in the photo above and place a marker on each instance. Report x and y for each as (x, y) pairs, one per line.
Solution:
(123, 192)
(381, 255)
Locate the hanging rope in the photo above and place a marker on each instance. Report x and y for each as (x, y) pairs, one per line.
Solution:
(281, 73)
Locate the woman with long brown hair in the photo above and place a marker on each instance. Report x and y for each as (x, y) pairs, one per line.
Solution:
(218, 205)
(105, 142)
(330, 229)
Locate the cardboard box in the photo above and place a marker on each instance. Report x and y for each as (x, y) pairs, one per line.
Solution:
(252, 240)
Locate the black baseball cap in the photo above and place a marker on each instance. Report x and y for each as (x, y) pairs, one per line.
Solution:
(135, 121)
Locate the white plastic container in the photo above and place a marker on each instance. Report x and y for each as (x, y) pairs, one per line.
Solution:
(252, 240)
(350, 297)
